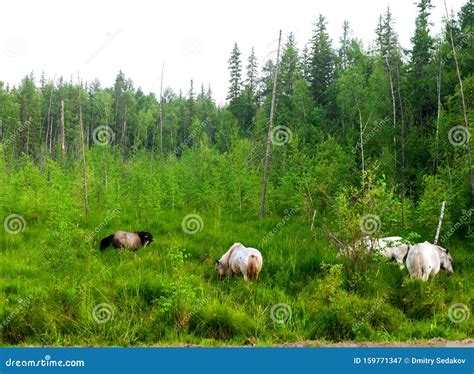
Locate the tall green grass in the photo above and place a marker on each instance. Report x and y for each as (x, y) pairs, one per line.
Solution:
(53, 276)
(169, 294)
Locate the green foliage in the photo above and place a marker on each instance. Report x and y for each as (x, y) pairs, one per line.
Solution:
(369, 138)
(221, 323)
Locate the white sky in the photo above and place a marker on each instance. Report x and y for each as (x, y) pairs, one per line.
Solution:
(98, 37)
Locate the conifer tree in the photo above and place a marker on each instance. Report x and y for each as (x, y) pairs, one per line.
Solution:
(345, 43)
(251, 82)
(235, 80)
(322, 62)
(421, 78)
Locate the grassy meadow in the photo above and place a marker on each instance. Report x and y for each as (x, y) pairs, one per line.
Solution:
(58, 289)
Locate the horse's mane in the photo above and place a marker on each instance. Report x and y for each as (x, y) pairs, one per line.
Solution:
(445, 250)
(228, 255)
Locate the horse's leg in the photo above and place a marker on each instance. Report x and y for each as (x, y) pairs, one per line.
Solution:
(426, 276)
(400, 264)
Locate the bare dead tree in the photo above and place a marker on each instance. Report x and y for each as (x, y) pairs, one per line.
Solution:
(48, 122)
(402, 115)
(463, 101)
(361, 140)
(51, 137)
(63, 132)
(402, 136)
(440, 222)
(84, 163)
(270, 129)
(362, 129)
(438, 116)
(394, 109)
(124, 131)
(161, 107)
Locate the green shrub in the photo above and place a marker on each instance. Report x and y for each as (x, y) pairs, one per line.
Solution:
(419, 300)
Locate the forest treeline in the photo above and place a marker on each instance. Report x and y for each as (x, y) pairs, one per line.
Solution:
(342, 112)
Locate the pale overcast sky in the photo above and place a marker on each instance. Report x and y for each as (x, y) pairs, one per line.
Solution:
(98, 38)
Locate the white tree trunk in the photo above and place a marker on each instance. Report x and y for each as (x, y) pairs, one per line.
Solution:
(270, 129)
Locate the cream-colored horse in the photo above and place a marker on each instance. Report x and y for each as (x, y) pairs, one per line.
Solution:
(240, 259)
(424, 261)
(390, 247)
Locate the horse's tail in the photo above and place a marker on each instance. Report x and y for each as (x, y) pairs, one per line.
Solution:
(253, 268)
(416, 266)
(104, 243)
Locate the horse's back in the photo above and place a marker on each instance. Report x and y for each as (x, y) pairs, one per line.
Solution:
(391, 239)
(389, 242)
(423, 261)
(242, 255)
(251, 263)
(398, 253)
(126, 239)
(433, 260)
(252, 251)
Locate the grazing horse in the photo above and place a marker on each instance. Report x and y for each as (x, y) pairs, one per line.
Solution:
(390, 247)
(129, 240)
(381, 243)
(398, 254)
(239, 258)
(424, 261)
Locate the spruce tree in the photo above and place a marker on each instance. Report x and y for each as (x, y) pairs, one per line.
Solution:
(251, 82)
(235, 81)
(345, 43)
(422, 41)
(306, 64)
(289, 67)
(422, 81)
(322, 62)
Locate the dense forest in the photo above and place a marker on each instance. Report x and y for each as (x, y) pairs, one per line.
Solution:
(363, 141)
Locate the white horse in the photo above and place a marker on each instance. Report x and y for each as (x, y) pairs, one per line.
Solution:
(390, 247)
(239, 258)
(381, 243)
(424, 261)
(398, 253)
